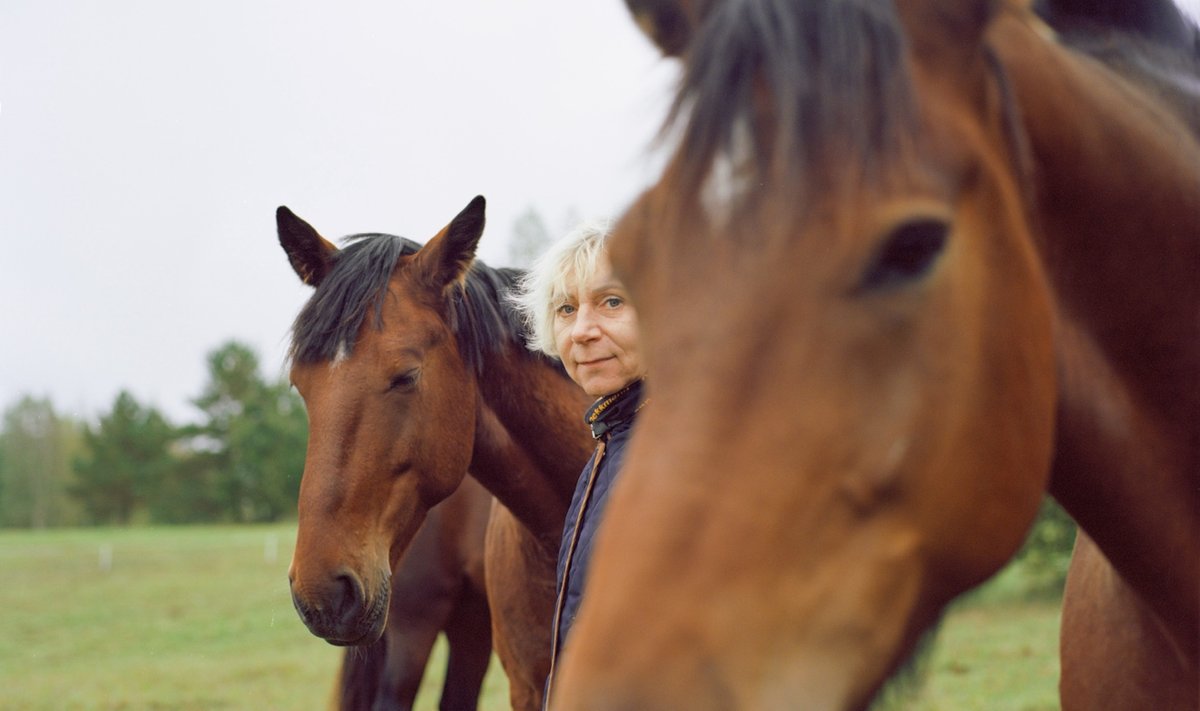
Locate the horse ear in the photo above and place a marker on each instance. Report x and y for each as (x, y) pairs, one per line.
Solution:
(446, 258)
(311, 254)
(668, 23)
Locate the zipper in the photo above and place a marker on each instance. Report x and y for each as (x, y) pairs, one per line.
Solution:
(562, 589)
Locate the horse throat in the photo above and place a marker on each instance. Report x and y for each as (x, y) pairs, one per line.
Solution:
(530, 441)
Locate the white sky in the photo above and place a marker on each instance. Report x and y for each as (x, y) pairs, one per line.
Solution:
(144, 146)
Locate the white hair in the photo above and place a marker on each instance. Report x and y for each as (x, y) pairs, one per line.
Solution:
(568, 262)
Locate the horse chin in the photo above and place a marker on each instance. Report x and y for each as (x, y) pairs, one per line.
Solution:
(371, 637)
(368, 631)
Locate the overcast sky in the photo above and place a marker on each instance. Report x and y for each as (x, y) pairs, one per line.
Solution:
(144, 147)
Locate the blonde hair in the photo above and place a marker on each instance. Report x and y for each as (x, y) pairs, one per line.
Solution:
(568, 262)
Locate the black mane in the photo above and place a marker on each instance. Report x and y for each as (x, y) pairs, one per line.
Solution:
(835, 72)
(478, 312)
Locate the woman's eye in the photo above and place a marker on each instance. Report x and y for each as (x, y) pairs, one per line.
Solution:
(565, 310)
(405, 380)
(613, 302)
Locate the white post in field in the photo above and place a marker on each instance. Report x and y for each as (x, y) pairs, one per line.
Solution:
(271, 549)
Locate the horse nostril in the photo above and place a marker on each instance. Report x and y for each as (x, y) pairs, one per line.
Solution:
(348, 599)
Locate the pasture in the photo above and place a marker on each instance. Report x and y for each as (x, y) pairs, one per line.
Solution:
(200, 618)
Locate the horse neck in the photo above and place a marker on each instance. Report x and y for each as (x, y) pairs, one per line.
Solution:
(530, 442)
(1118, 207)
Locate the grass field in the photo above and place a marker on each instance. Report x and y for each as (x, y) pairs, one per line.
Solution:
(200, 618)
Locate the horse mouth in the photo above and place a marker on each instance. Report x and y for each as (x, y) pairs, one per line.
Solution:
(367, 629)
(369, 638)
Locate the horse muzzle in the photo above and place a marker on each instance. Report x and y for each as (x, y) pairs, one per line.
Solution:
(340, 610)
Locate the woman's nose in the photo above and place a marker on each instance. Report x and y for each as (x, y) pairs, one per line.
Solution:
(586, 327)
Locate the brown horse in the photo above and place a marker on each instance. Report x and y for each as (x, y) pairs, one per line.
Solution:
(438, 585)
(413, 369)
(909, 266)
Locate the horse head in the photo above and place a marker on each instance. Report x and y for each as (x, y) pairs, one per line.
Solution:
(392, 403)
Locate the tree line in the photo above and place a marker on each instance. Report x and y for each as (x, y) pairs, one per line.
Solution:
(241, 463)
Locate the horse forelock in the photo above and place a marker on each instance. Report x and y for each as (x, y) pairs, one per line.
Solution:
(327, 327)
(788, 96)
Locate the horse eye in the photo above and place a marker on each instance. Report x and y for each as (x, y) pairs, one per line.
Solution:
(907, 254)
(405, 380)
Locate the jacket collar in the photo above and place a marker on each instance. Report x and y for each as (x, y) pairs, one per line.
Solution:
(611, 410)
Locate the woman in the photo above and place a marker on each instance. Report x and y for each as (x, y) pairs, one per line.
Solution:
(578, 312)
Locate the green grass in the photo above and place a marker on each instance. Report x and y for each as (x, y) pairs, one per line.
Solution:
(997, 657)
(200, 618)
(187, 618)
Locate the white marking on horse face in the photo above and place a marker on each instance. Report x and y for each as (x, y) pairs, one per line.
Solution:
(728, 182)
(341, 355)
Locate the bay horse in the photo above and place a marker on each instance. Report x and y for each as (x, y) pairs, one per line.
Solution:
(909, 267)
(414, 370)
(438, 585)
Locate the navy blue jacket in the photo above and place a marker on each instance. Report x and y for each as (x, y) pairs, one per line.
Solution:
(611, 419)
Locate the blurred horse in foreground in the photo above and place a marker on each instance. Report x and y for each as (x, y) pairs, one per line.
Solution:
(911, 266)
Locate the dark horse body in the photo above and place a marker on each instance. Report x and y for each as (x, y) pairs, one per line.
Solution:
(413, 369)
(912, 266)
(438, 586)
(1128, 449)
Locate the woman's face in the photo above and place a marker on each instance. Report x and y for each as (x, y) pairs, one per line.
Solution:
(595, 330)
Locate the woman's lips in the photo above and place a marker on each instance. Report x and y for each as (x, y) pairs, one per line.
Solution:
(593, 362)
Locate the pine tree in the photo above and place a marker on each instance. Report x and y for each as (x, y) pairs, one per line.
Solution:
(127, 459)
(256, 433)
